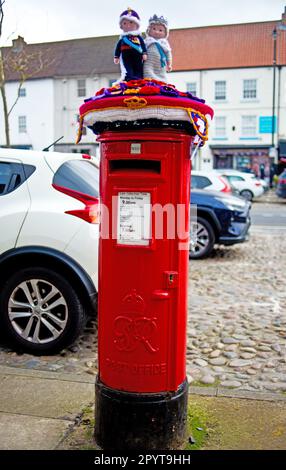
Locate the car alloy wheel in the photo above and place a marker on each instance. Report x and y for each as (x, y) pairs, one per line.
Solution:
(37, 311)
(202, 238)
(247, 194)
(41, 310)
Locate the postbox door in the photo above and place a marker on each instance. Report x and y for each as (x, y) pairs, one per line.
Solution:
(142, 337)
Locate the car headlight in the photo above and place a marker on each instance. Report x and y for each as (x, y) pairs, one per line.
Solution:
(232, 204)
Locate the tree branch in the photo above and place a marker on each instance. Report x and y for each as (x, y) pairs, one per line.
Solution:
(1, 15)
(27, 65)
(18, 96)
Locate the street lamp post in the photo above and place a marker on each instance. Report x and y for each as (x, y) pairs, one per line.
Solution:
(274, 35)
(281, 26)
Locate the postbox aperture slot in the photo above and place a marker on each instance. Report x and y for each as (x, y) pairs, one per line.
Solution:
(135, 165)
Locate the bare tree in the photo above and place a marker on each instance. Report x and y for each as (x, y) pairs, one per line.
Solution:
(22, 62)
(2, 81)
(1, 15)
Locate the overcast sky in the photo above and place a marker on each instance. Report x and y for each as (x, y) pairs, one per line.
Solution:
(55, 20)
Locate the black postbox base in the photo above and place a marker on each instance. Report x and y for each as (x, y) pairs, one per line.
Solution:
(133, 421)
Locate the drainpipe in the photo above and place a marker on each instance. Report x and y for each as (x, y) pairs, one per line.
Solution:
(274, 35)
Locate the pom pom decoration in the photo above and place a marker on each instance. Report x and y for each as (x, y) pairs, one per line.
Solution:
(149, 90)
(169, 91)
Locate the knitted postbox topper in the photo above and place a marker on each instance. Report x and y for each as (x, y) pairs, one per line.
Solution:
(145, 103)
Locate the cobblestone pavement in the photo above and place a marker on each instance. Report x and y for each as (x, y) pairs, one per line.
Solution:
(236, 326)
(237, 318)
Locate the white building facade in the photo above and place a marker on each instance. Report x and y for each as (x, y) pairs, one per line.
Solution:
(31, 121)
(242, 133)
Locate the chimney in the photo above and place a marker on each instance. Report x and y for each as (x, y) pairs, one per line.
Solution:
(283, 20)
(18, 44)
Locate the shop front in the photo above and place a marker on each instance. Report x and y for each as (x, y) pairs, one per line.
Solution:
(252, 159)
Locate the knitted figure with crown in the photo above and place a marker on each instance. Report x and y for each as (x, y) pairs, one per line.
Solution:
(159, 58)
(130, 50)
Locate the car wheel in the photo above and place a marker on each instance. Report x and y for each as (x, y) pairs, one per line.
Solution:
(247, 194)
(202, 238)
(40, 311)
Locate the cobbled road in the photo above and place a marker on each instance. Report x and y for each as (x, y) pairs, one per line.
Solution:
(237, 315)
(236, 323)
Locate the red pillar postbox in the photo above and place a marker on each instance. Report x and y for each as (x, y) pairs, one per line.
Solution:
(143, 266)
(141, 388)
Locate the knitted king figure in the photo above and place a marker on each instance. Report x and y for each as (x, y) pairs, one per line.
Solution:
(159, 58)
(130, 50)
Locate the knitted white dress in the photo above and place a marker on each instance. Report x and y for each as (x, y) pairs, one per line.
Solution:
(152, 66)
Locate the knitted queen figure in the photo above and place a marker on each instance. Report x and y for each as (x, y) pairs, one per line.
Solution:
(159, 55)
(130, 50)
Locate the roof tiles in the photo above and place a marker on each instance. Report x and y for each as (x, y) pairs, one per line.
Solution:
(210, 47)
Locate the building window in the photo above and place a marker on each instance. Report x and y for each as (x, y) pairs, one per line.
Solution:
(220, 126)
(192, 88)
(220, 90)
(22, 122)
(81, 88)
(249, 89)
(248, 126)
(22, 92)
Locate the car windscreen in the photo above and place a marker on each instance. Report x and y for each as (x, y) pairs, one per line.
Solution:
(81, 176)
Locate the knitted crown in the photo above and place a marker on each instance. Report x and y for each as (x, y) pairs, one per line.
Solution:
(130, 15)
(155, 19)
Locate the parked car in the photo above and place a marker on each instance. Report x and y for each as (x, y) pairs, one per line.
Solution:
(281, 185)
(220, 219)
(48, 213)
(210, 180)
(247, 184)
(265, 183)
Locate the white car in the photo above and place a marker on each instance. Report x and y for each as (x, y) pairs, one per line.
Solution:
(247, 184)
(210, 180)
(48, 247)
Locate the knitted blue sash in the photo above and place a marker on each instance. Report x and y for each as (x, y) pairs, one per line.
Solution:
(163, 55)
(131, 44)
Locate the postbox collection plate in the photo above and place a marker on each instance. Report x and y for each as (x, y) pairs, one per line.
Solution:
(134, 218)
